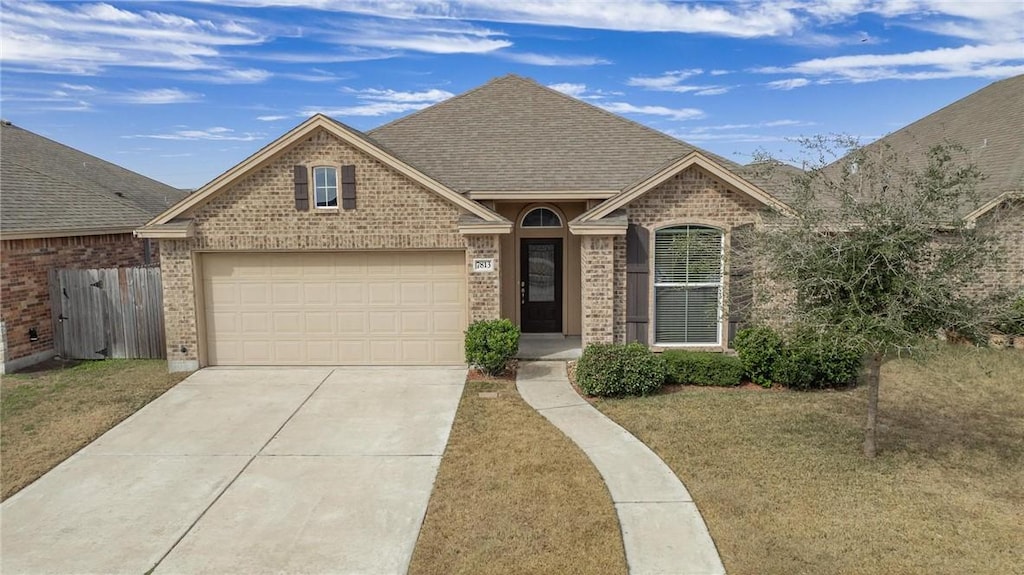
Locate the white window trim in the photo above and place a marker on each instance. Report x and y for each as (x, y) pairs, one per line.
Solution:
(337, 186)
(655, 284)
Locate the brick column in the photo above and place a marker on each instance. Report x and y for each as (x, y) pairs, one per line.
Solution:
(179, 305)
(484, 286)
(597, 271)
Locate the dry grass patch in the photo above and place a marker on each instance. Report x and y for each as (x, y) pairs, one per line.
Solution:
(45, 416)
(514, 495)
(785, 490)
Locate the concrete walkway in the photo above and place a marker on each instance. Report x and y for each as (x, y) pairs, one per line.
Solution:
(247, 471)
(662, 530)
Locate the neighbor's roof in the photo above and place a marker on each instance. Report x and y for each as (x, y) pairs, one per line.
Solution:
(989, 123)
(49, 189)
(513, 134)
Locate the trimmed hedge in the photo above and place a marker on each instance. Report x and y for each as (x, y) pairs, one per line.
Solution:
(702, 368)
(805, 359)
(758, 349)
(491, 344)
(608, 369)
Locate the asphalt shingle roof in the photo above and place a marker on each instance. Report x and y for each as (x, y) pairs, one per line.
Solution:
(989, 123)
(47, 186)
(513, 134)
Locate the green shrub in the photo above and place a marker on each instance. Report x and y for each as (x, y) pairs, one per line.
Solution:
(702, 368)
(1011, 321)
(817, 360)
(607, 369)
(491, 344)
(758, 349)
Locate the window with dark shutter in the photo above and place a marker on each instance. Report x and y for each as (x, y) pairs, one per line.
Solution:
(301, 189)
(688, 265)
(637, 283)
(325, 186)
(348, 187)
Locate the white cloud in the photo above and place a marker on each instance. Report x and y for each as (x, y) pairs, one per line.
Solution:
(217, 133)
(235, 76)
(673, 113)
(430, 36)
(88, 38)
(552, 59)
(574, 90)
(672, 81)
(984, 61)
(271, 118)
(430, 96)
(158, 96)
(788, 84)
(362, 110)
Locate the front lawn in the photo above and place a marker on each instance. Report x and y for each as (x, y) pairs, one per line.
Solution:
(514, 495)
(47, 415)
(782, 484)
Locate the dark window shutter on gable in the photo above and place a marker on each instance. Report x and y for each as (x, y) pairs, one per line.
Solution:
(741, 277)
(348, 187)
(301, 188)
(637, 283)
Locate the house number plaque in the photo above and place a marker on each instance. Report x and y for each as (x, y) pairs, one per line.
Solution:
(483, 265)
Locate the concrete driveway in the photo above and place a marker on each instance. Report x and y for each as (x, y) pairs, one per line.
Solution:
(247, 471)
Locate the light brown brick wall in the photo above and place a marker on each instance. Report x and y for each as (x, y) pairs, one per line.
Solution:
(599, 305)
(691, 197)
(1007, 224)
(258, 213)
(484, 287)
(24, 289)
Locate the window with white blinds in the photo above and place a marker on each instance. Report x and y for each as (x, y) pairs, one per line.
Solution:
(688, 264)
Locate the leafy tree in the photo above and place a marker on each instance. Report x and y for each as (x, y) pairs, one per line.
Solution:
(877, 251)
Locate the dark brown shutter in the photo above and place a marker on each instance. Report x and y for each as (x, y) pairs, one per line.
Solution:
(348, 187)
(637, 283)
(741, 278)
(301, 188)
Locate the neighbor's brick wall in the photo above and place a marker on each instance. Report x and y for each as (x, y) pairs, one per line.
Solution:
(1007, 224)
(24, 289)
(690, 197)
(258, 213)
(485, 287)
(598, 306)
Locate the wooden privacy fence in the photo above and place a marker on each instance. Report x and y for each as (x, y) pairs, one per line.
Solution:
(108, 313)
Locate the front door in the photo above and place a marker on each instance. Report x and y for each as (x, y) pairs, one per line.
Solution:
(540, 285)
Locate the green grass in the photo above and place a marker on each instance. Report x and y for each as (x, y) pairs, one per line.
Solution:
(47, 415)
(782, 484)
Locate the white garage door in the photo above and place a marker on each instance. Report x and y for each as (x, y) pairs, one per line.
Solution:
(351, 308)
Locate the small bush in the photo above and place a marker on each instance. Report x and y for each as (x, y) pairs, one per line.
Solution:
(491, 344)
(702, 368)
(1011, 321)
(758, 349)
(816, 361)
(609, 370)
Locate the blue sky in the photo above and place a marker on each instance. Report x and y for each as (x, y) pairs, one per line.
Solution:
(182, 91)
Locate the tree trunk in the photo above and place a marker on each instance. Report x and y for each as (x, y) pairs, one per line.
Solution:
(874, 369)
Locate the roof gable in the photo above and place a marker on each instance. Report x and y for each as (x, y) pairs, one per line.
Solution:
(513, 134)
(297, 134)
(52, 189)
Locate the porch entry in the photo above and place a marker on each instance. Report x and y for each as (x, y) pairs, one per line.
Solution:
(540, 286)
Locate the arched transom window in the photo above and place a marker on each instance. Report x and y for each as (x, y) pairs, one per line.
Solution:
(542, 218)
(688, 285)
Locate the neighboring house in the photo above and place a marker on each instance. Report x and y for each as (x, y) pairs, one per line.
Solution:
(61, 208)
(330, 246)
(989, 124)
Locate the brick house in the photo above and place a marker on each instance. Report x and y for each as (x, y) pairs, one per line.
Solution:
(330, 246)
(62, 208)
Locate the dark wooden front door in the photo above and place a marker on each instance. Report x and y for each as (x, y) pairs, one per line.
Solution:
(540, 285)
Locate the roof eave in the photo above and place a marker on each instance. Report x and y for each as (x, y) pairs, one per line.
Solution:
(63, 233)
(170, 231)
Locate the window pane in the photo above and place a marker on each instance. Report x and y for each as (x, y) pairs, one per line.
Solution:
(686, 314)
(541, 263)
(542, 218)
(688, 255)
(332, 177)
(326, 188)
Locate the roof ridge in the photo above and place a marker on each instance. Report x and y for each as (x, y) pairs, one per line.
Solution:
(459, 96)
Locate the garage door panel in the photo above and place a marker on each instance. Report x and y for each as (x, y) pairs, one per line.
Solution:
(352, 308)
